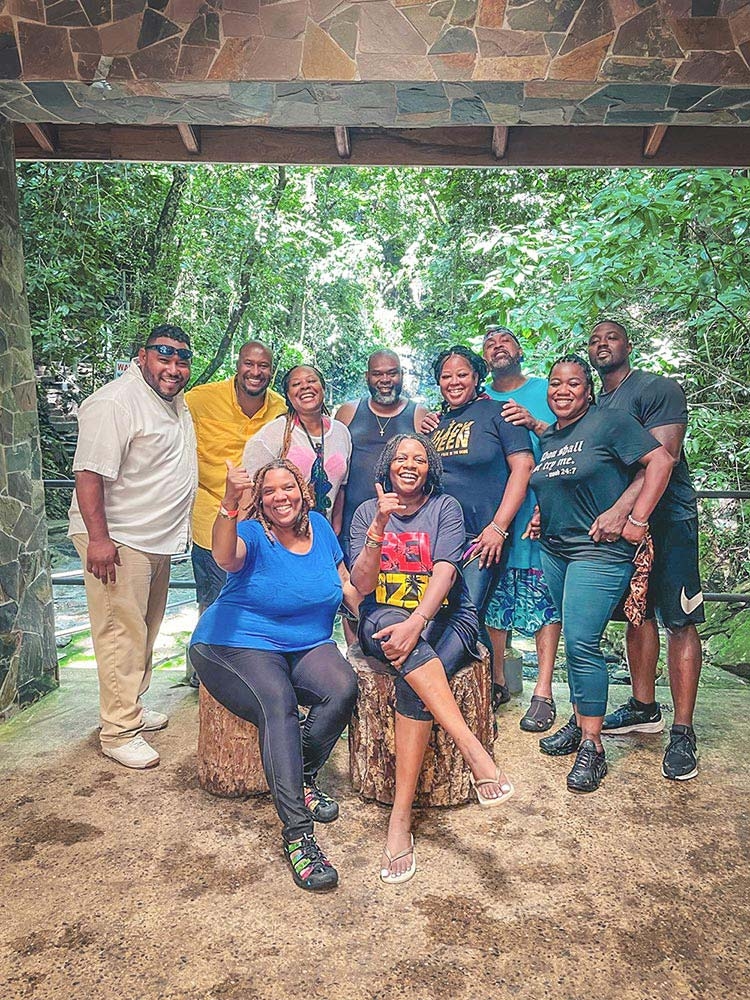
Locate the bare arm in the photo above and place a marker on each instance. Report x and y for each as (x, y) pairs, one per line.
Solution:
(400, 639)
(489, 543)
(352, 597)
(520, 417)
(419, 414)
(610, 523)
(228, 550)
(337, 514)
(345, 412)
(101, 554)
(367, 564)
(658, 465)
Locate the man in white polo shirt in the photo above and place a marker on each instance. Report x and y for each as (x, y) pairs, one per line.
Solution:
(136, 476)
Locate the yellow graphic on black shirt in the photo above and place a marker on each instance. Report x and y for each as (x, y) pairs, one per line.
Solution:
(453, 439)
(405, 569)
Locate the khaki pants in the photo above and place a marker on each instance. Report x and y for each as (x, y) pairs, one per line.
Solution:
(125, 619)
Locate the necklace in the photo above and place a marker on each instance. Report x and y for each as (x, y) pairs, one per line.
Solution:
(619, 384)
(318, 449)
(382, 427)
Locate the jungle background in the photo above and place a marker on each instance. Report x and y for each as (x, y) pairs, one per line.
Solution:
(325, 264)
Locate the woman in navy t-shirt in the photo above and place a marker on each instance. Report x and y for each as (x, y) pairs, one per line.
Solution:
(584, 473)
(486, 463)
(265, 646)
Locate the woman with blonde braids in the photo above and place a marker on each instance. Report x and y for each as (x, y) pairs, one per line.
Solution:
(266, 645)
(318, 445)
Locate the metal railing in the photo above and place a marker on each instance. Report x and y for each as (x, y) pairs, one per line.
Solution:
(75, 579)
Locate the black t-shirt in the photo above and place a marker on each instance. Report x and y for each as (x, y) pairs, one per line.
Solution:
(584, 469)
(474, 441)
(656, 401)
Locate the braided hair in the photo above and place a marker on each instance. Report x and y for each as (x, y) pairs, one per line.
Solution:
(433, 483)
(255, 510)
(576, 359)
(291, 413)
(478, 365)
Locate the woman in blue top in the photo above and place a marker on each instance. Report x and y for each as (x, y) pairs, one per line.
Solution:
(266, 646)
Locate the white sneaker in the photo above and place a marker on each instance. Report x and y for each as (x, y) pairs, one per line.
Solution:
(153, 720)
(135, 753)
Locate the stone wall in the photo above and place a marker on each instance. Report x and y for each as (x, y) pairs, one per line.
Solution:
(246, 62)
(28, 664)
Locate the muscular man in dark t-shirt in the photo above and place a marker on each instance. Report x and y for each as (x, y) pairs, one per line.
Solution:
(658, 404)
(372, 421)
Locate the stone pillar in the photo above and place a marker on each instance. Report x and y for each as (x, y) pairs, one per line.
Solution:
(28, 664)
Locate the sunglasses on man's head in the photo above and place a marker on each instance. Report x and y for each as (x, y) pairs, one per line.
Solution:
(167, 351)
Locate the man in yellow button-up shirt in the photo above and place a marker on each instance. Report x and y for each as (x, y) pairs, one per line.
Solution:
(225, 414)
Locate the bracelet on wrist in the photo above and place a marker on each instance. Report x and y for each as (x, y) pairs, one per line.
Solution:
(375, 538)
(499, 530)
(372, 543)
(228, 515)
(638, 524)
(421, 614)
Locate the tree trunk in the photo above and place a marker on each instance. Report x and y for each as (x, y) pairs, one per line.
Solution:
(245, 298)
(444, 778)
(229, 761)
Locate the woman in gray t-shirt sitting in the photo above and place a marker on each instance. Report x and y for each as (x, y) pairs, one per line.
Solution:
(416, 616)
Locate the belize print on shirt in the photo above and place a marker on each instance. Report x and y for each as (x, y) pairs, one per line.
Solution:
(405, 569)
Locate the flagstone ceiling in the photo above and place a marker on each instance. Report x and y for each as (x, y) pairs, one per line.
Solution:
(376, 62)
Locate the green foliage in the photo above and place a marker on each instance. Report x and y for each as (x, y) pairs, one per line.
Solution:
(324, 264)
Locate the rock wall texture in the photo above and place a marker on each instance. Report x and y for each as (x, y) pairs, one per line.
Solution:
(379, 62)
(28, 665)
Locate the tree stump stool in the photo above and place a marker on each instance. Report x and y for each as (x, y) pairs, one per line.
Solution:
(229, 761)
(444, 778)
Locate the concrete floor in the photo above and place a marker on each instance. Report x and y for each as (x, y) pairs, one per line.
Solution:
(120, 884)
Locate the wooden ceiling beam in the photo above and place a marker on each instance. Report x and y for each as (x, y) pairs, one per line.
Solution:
(343, 141)
(653, 136)
(191, 138)
(459, 146)
(500, 141)
(45, 136)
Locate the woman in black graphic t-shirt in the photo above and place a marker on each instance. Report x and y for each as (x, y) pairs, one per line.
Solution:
(586, 465)
(416, 617)
(487, 463)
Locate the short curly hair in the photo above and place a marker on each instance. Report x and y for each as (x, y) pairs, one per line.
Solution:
(255, 509)
(576, 359)
(433, 483)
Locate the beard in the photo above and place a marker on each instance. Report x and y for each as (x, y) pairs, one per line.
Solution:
(504, 365)
(385, 398)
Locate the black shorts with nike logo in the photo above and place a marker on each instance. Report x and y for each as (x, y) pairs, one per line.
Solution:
(674, 586)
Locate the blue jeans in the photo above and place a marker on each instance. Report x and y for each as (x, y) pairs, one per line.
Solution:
(586, 593)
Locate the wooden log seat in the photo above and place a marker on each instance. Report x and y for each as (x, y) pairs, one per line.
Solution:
(229, 761)
(444, 779)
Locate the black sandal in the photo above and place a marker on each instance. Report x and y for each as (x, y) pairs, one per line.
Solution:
(540, 715)
(500, 696)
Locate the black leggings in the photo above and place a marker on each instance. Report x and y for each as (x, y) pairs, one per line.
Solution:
(265, 688)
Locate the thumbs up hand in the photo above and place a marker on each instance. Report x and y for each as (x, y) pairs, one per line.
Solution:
(237, 482)
(388, 503)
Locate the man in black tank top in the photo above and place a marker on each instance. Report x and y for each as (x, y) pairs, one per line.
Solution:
(372, 421)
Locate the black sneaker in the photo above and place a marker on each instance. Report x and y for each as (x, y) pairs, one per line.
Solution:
(566, 740)
(629, 718)
(680, 760)
(588, 770)
(311, 869)
(321, 807)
